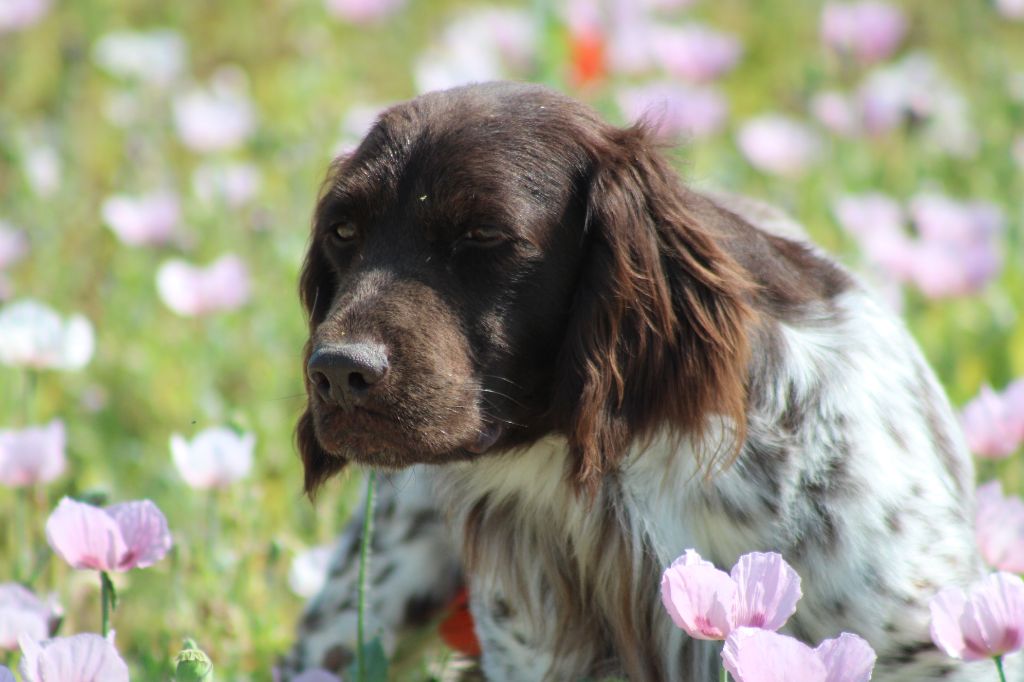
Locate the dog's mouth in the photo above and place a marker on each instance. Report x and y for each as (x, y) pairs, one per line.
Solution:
(376, 436)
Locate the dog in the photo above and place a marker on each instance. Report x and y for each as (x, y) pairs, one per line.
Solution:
(574, 368)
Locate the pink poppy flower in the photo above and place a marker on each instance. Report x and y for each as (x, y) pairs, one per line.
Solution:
(189, 290)
(837, 112)
(941, 218)
(993, 423)
(148, 219)
(761, 591)
(215, 458)
(18, 14)
(999, 528)
(943, 270)
(116, 538)
(868, 31)
(218, 118)
(694, 52)
(363, 11)
(675, 109)
(1011, 9)
(6, 675)
(13, 245)
(32, 455)
(982, 623)
(79, 658)
(779, 145)
(33, 335)
(756, 655)
(22, 613)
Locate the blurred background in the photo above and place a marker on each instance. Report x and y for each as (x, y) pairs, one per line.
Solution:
(158, 166)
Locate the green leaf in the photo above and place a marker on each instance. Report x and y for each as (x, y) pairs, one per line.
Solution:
(375, 663)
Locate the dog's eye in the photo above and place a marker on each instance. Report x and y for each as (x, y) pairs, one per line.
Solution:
(484, 236)
(345, 232)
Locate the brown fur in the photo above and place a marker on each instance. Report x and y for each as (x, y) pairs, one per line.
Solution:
(613, 311)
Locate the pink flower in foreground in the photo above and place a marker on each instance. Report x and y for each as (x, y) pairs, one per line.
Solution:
(699, 598)
(6, 675)
(779, 145)
(33, 335)
(13, 245)
(22, 614)
(986, 621)
(217, 118)
(116, 538)
(32, 455)
(189, 290)
(868, 31)
(79, 658)
(215, 458)
(142, 220)
(19, 14)
(695, 52)
(994, 423)
(363, 11)
(755, 655)
(761, 591)
(675, 109)
(999, 528)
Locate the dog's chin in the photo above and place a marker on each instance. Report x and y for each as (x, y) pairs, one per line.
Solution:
(374, 440)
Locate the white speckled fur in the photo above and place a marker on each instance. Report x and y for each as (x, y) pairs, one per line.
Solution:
(853, 468)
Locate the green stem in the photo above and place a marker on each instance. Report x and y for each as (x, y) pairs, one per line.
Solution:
(723, 676)
(999, 667)
(31, 382)
(212, 519)
(364, 561)
(106, 602)
(23, 564)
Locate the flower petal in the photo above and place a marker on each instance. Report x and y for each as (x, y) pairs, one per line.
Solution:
(848, 658)
(79, 658)
(756, 655)
(699, 598)
(946, 608)
(144, 528)
(85, 536)
(769, 589)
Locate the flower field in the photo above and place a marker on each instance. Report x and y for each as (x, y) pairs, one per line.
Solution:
(159, 162)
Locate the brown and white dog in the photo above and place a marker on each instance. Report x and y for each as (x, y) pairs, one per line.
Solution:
(582, 368)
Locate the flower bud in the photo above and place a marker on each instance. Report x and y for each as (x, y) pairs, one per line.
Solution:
(193, 665)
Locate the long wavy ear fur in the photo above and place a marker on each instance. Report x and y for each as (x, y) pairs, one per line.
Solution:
(316, 290)
(657, 334)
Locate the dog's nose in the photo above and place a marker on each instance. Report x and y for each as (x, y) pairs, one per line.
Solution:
(347, 372)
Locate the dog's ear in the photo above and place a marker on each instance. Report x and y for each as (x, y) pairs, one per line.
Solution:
(317, 284)
(317, 464)
(657, 332)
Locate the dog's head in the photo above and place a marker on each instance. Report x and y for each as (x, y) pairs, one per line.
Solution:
(494, 263)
